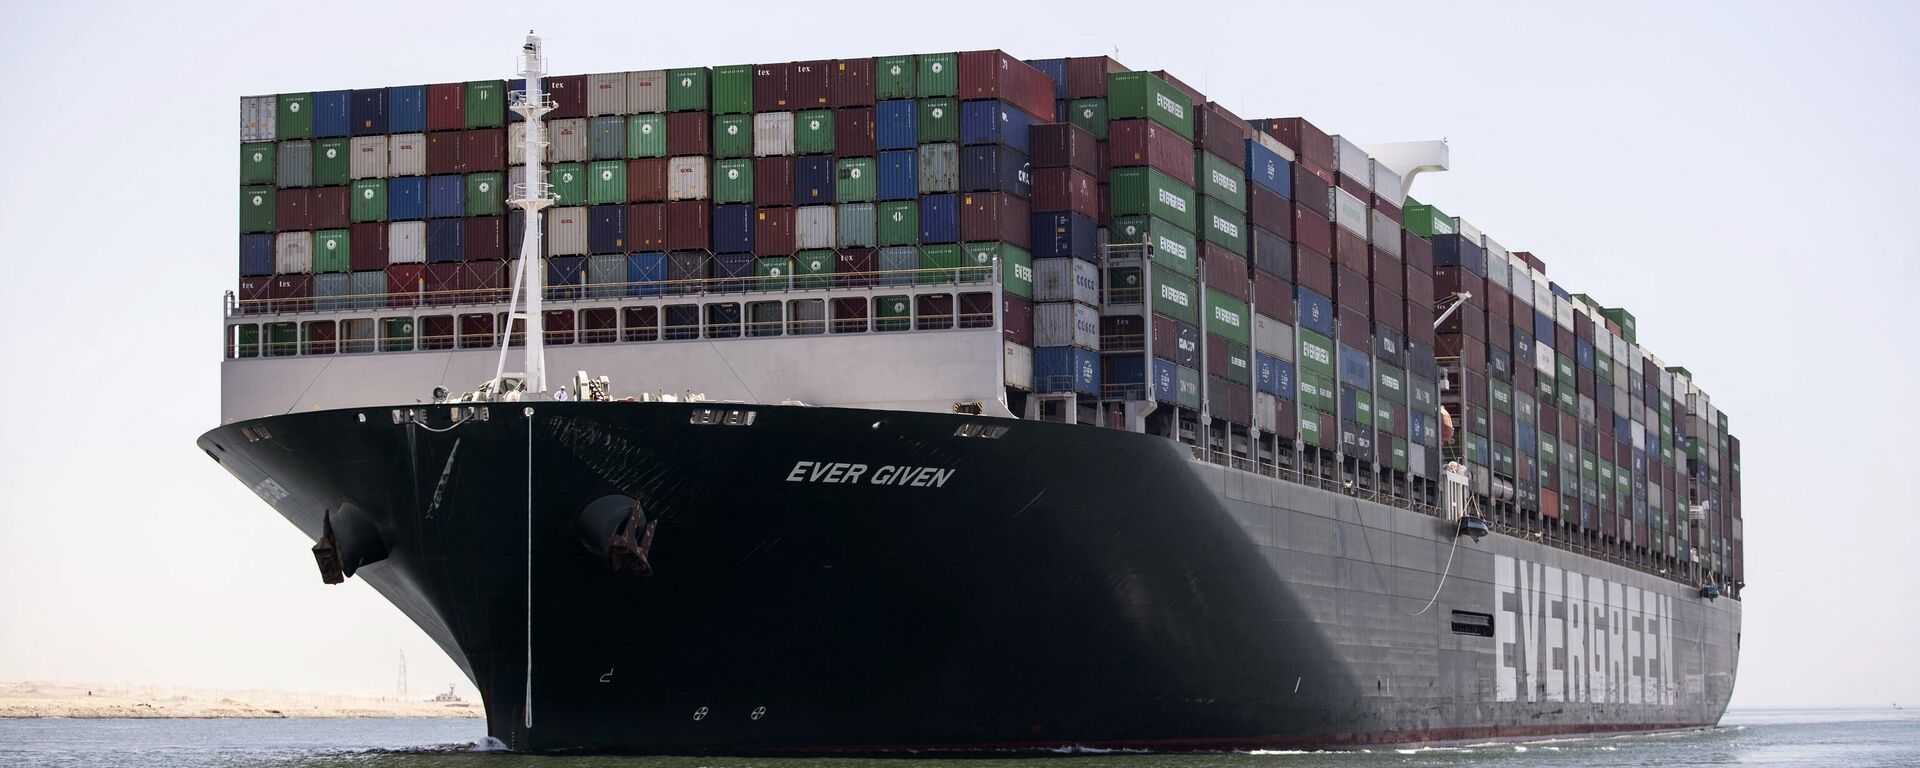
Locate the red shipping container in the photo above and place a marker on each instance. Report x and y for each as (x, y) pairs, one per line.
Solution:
(1066, 189)
(852, 82)
(446, 153)
(1353, 332)
(1267, 210)
(1087, 76)
(773, 231)
(772, 181)
(1416, 251)
(293, 210)
(1307, 141)
(1313, 271)
(996, 75)
(811, 83)
(647, 226)
(1562, 338)
(369, 246)
(853, 267)
(1123, 333)
(1419, 291)
(1193, 94)
(1286, 420)
(1391, 210)
(1448, 281)
(329, 206)
(1223, 270)
(688, 225)
(1311, 230)
(1388, 308)
(1016, 319)
(1420, 325)
(569, 94)
(1387, 270)
(478, 276)
(1219, 363)
(1222, 132)
(403, 283)
(1144, 142)
(446, 106)
(1312, 191)
(443, 283)
(687, 133)
(772, 88)
(976, 310)
(1469, 320)
(995, 216)
(291, 293)
(1064, 145)
(485, 238)
(485, 149)
(1167, 344)
(1498, 301)
(647, 180)
(1353, 186)
(558, 326)
(1272, 296)
(255, 294)
(1350, 250)
(1352, 291)
(853, 132)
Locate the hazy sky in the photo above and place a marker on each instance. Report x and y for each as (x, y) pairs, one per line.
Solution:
(1739, 175)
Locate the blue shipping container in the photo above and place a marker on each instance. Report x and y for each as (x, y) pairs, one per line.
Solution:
(256, 255)
(813, 180)
(1166, 381)
(893, 125)
(446, 240)
(1356, 368)
(1559, 291)
(993, 168)
(994, 122)
(732, 270)
(1066, 369)
(733, 228)
(370, 112)
(1126, 369)
(650, 267)
(1066, 234)
(565, 276)
(446, 197)
(940, 219)
(1268, 169)
(1583, 353)
(1273, 376)
(331, 285)
(368, 283)
(332, 114)
(406, 109)
(406, 198)
(899, 175)
(1543, 328)
(1455, 251)
(1314, 311)
(607, 229)
(1056, 70)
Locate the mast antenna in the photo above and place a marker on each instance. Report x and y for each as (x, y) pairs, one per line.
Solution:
(531, 196)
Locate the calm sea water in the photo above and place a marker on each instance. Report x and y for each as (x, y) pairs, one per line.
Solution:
(1847, 738)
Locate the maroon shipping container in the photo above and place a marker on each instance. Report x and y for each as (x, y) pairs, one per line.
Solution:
(1471, 351)
(1386, 270)
(772, 181)
(1016, 319)
(1167, 343)
(1286, 420)
(1419, 324)
(558, 325)
(1350, 250)
(291, 293)
(1123, 333)
(485, 238)
(446, 106)
(933, 312)
(485, 149)
(773, 231)
(995, 216)
(853, 132)
(1325, 176)
(1267, 210)
(1400, 423)
(1065, 145)
(476, 276)
(811, 83)
(772, 88)
(369, 246)
(1223, 133)
(996, 75)
(1234, 403)
(976, 310)
(1144, 142)
(853, 267)
(1388, 308)
(255, 295)
(293, 210)
(446, 153)
(1087, 76)
(1469, 320)
(1313, 271)
(1563, 338)
(1306, 140)
(1391, 210)
(688, 224)
(1312, 230)
(329, 206)
(1193, 94)
(647, 226)
(1523, 376)
(1416, 251)
(1448, 281)
(443, 281)
(1533, 261)
(1353, 186)
(1223, 270)
(1352, 291)
(687, 133)
(1272, 296)
(1355, 332)
(403, 283)
(852, 82)
(1219, 363)
(647, 180)
(569, 94)
(1311, 191)
(1066, 189)
(1498, 301)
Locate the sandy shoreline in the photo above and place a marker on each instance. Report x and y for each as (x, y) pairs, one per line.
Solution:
(83, 700)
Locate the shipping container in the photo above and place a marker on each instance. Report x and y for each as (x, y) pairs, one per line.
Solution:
(1149, 192)
(1141, 94)
(995, 122)
(1146, 143)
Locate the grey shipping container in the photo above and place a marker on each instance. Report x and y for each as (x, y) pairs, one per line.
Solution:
(607, 94)
(813, 227)
(1349, 212)
(647, 91)
(326, 287)
(900, 258)
(407, 242)
(1273, 338)
(296, 164)
(606, 276)
(607, 137)
(939, 168)
(256, 117)
(567, 140)
(407, 154)
(1351, 161)
(367, 157)
(1066, 279)
(293, 253)
(687, 178)
(1019, 366)
(370, 283)
(567, 231)
(856, 228)
(1066, 324)
(1386, 234)
(772, 134)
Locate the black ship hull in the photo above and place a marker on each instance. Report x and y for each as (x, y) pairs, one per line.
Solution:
(623, 577)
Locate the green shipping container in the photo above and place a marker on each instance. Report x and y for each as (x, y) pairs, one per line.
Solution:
(939, 262)
(246, 340)
(892, 313)
(813, 132)
(258, 162)
(1382, 414)
(1123, 285)
(853, 180)
(1310, 428)
(687, 89)
(295, 118)
(332, 251)
(486, 104)
(1140, 94)
(899, 222)
(607, 182)
(369, 200)
(733, 181)
(1223, 226)
(1219, 180)
(1090, 114)
(1016, 265)
(775, 272)
(1502, 396)
(1389, 382)
(1316, 392)
(1589, 465)
(1362, 407)
(486, 194)
(894, 78)
(1549, 453)
(1399, 454)
(813, 269)
(1629, 327)
(647, 136)
(938, 121)
(1147, 192)
(733, 90)
(1425, 220)
(569, 182)
(396, 334)
(1228, 318)
(330, 163)
(1175, 295)
(732, 136)
(1170, 245)
(1316, 352)
(283, 339)
(939, 74)
(256, 209)
(1240, 364)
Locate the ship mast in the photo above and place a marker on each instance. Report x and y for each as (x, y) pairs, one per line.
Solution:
(531, 196)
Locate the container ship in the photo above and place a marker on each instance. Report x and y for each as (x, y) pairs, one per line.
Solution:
(953, 401)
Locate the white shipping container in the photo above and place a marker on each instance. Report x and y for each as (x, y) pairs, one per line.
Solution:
(1495, 250)
(647, 91)
(1349, 212)
(516, 143)
(567, 231)
(407, 154)
(368, 158)
(607, 94)
(772, 134)
(293, 253)
(1273, 145)
(1387, 186)
(1543, 357)
(687, 178)
(1468, 231)
(1066, 324)
(1273, 338)
(1386, 234)
(1067, 279)
(813, 226)
(1351, 161)
(1019, 367)
(1542, 295)
(407, 242)
(1417, 462)
(1498, 273)
(567, 140)
(257, 115)
(1265, 409)
(1563, 313)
